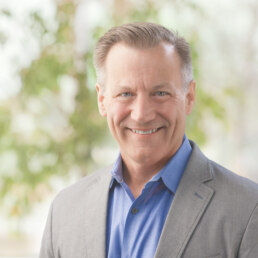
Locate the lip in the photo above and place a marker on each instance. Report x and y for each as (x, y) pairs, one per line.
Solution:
(145, 131)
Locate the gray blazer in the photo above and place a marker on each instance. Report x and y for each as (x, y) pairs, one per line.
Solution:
(214, 214)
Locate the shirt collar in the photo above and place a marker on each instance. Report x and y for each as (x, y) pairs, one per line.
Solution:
(170, 174)
(117, 171)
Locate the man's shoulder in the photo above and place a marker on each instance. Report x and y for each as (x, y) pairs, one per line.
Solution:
(225, 179)
(221, 179)
(228, 175)
(83, 187)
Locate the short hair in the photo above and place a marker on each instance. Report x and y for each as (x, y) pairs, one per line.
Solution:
(143, 35)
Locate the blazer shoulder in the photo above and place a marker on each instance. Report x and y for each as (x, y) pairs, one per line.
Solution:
(228, 185)
(233, 183)
(219, 177)
(84, 185)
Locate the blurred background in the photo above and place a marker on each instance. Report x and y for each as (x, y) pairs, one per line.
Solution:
(50, 131)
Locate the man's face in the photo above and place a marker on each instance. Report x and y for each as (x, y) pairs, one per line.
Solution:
(145, 103)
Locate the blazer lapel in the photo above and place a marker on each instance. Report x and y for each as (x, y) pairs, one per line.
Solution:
(96, 216)
(188, 206)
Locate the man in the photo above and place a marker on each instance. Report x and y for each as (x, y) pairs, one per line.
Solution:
(163, 197)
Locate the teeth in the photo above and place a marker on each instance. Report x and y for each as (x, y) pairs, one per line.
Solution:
(145, 132)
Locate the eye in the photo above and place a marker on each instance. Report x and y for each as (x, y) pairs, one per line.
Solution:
(126, 94)
(161, 93)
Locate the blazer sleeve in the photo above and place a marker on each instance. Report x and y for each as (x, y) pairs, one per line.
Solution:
(249, 244)
(46, 250)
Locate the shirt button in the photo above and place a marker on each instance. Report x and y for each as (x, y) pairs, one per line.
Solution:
(134, 210)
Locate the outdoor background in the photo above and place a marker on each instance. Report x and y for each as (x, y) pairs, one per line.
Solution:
(50, 131)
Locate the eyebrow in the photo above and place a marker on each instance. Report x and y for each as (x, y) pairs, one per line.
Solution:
(165, 87)
(162, 86)
(122, 89)
(125, 88)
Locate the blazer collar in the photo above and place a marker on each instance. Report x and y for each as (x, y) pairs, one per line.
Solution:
(97, 215)
(188, 206)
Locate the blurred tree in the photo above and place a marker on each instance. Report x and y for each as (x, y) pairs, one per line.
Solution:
(49, 129)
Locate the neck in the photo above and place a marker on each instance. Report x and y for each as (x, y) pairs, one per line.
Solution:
(137, 175)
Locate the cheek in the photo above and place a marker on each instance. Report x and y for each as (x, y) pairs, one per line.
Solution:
(174, 113)
(119, 112)
(115, 115)
(169, 112)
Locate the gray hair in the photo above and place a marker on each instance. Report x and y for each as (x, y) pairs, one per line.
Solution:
(143, 35)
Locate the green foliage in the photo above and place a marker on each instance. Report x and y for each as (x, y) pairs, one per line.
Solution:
(5, 12)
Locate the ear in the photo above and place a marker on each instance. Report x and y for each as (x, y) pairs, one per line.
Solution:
(190, 97)
(101, 98)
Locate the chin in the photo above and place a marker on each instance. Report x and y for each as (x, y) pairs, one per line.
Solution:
(144, 156)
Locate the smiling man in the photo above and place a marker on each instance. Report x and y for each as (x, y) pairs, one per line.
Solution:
(145, 105)
(162, 197)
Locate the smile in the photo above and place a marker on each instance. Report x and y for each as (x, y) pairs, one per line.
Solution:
(145, 132)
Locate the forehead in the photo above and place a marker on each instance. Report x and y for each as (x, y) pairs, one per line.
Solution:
(121, 49)
(130, 65)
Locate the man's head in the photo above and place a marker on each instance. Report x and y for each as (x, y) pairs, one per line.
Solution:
(142, 35)
(144, 99)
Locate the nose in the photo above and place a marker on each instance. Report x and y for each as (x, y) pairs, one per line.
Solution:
(143, 110)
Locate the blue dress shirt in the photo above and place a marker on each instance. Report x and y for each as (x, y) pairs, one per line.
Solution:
(134, 225)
